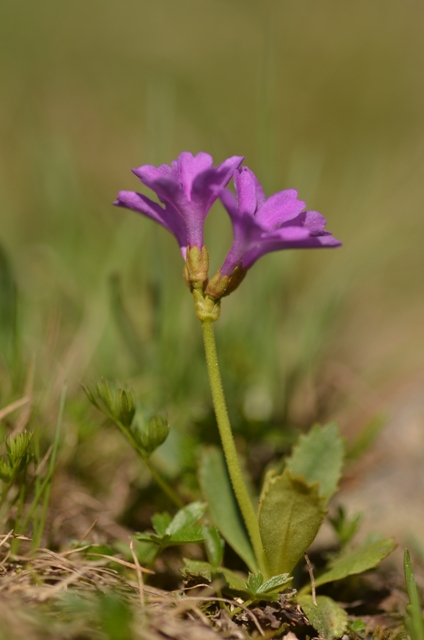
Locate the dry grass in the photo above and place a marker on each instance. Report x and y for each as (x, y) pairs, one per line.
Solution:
(57, 595)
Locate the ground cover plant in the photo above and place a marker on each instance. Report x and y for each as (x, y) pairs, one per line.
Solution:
(102, 537)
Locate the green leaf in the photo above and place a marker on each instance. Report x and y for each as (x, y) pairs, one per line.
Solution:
(414, 621)
(186, 517)
(182, 529)
(184, 536)
(146, 550)
(290, 514)
(218, 492)
(254, 588)
(361, 559)
(208, 572)
(214, 545)
(327, 617)
(318, 457)
(161, 522)
(275, 583)
(254, 582)
(257, 589)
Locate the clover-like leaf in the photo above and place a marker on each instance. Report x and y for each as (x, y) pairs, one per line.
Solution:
(254, 588)
(185, 536)
(181, 529)
(161, 522)
(186, 517)
(254, 582)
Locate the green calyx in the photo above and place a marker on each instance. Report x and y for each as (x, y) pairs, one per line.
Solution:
(220, 286)
(196, 267)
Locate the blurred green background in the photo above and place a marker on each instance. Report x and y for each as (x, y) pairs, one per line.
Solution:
(326, 97)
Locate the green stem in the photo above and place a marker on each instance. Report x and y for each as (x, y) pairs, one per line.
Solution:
(164, 485)
(230, 452)
(161, 482)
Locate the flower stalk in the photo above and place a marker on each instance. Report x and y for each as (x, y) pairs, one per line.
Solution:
(228, 445)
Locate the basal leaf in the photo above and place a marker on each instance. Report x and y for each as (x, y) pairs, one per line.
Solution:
(318, 457)
(218, 492)
(186, 517)
(290, 514)
(327, 617)
(214, 545)
(361, 559)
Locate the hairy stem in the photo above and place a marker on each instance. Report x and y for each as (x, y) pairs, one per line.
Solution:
(230, 452)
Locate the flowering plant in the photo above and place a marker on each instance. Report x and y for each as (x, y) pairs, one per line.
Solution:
(273, 536)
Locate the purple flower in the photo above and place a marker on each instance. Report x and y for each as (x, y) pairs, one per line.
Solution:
(262, 225)
(188, 188)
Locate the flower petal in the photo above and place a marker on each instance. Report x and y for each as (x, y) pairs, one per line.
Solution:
(280, 208)
(288, 238)
(168, 217)
(313, 221)
(161, 180)
(249, 191)
(208, 185)
(190, 185)
(190, 167)
(261, 226)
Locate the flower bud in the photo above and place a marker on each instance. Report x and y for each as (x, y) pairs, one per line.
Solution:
(150, 435)
(125, 407)
(106, 395)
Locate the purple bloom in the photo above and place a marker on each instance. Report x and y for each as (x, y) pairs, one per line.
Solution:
(262, 225)
(188, 188)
